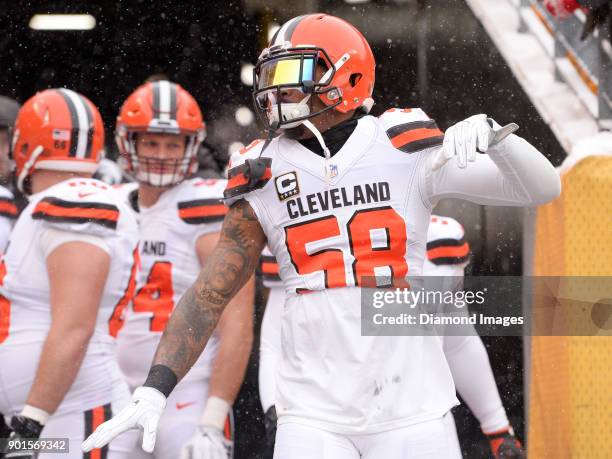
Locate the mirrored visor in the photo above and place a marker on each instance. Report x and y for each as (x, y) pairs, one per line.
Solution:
(286, 70)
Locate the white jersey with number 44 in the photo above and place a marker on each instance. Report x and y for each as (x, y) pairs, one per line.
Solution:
(168, 234)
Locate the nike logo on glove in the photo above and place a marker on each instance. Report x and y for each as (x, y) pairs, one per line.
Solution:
(180, 406)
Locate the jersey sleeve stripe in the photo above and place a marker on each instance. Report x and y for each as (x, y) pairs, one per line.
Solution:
(8, 208)
(414, 136)
(58, 210)
(448, 251)
(238, 182)
(406, 141)
(202, 211)
(395, 131)
(422, 144)
(269, 269)
(267, 259)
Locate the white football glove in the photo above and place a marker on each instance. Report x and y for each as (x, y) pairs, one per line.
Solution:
(464, 138)
(207, 443)
(143, 412)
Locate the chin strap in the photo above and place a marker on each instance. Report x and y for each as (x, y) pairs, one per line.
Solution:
(297, 110)
(28, 166)
(312, 128)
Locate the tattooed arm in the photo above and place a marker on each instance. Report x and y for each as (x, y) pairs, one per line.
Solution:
(229, 267)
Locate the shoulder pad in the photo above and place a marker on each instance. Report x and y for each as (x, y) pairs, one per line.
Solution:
(8, 208)
(83, 205)
(124, 190)
(252, 150)
(201, 201)
(248, 171)
(446, 244)
(410, 129)
(5, 193)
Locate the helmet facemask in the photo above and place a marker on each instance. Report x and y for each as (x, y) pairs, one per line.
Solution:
(163, 108)
(159, 172)
(282, 68)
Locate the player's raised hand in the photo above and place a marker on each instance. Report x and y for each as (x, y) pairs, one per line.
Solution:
(143, 412)
(468, 137)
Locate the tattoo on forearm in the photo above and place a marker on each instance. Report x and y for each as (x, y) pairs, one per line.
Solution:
(227, 270)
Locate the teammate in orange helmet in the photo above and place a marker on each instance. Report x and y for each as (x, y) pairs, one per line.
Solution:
(159, 130)
(342, 198)
(66, 278)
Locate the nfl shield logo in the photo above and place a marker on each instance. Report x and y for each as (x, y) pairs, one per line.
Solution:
(333, 170)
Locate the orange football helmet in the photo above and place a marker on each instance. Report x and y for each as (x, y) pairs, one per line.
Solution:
(290, 62)
(57, 129)
(160, 107)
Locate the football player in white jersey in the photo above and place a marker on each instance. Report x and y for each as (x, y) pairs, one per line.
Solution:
(8, 208)
(447, 255)
(159, 130)
(66, 278)
(341, 197)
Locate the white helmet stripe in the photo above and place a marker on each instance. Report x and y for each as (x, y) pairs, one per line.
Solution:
(164, 100)
(83, 122)
(285, 32)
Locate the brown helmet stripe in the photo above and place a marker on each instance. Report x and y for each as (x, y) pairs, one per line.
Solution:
(156, 108)
(82, 122)
(286, 31)
(90, 128)
(292, 25)
(173, 101)
(74, 123)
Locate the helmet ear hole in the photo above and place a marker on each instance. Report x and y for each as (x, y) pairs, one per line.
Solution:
(354, 79)
(26, 188)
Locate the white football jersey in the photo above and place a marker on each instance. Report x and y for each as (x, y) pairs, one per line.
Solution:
(447, 255)
(8, 215)
(332, 225)
(168, 234)
(80, 207)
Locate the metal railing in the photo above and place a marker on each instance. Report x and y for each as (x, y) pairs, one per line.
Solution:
(585, 65)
